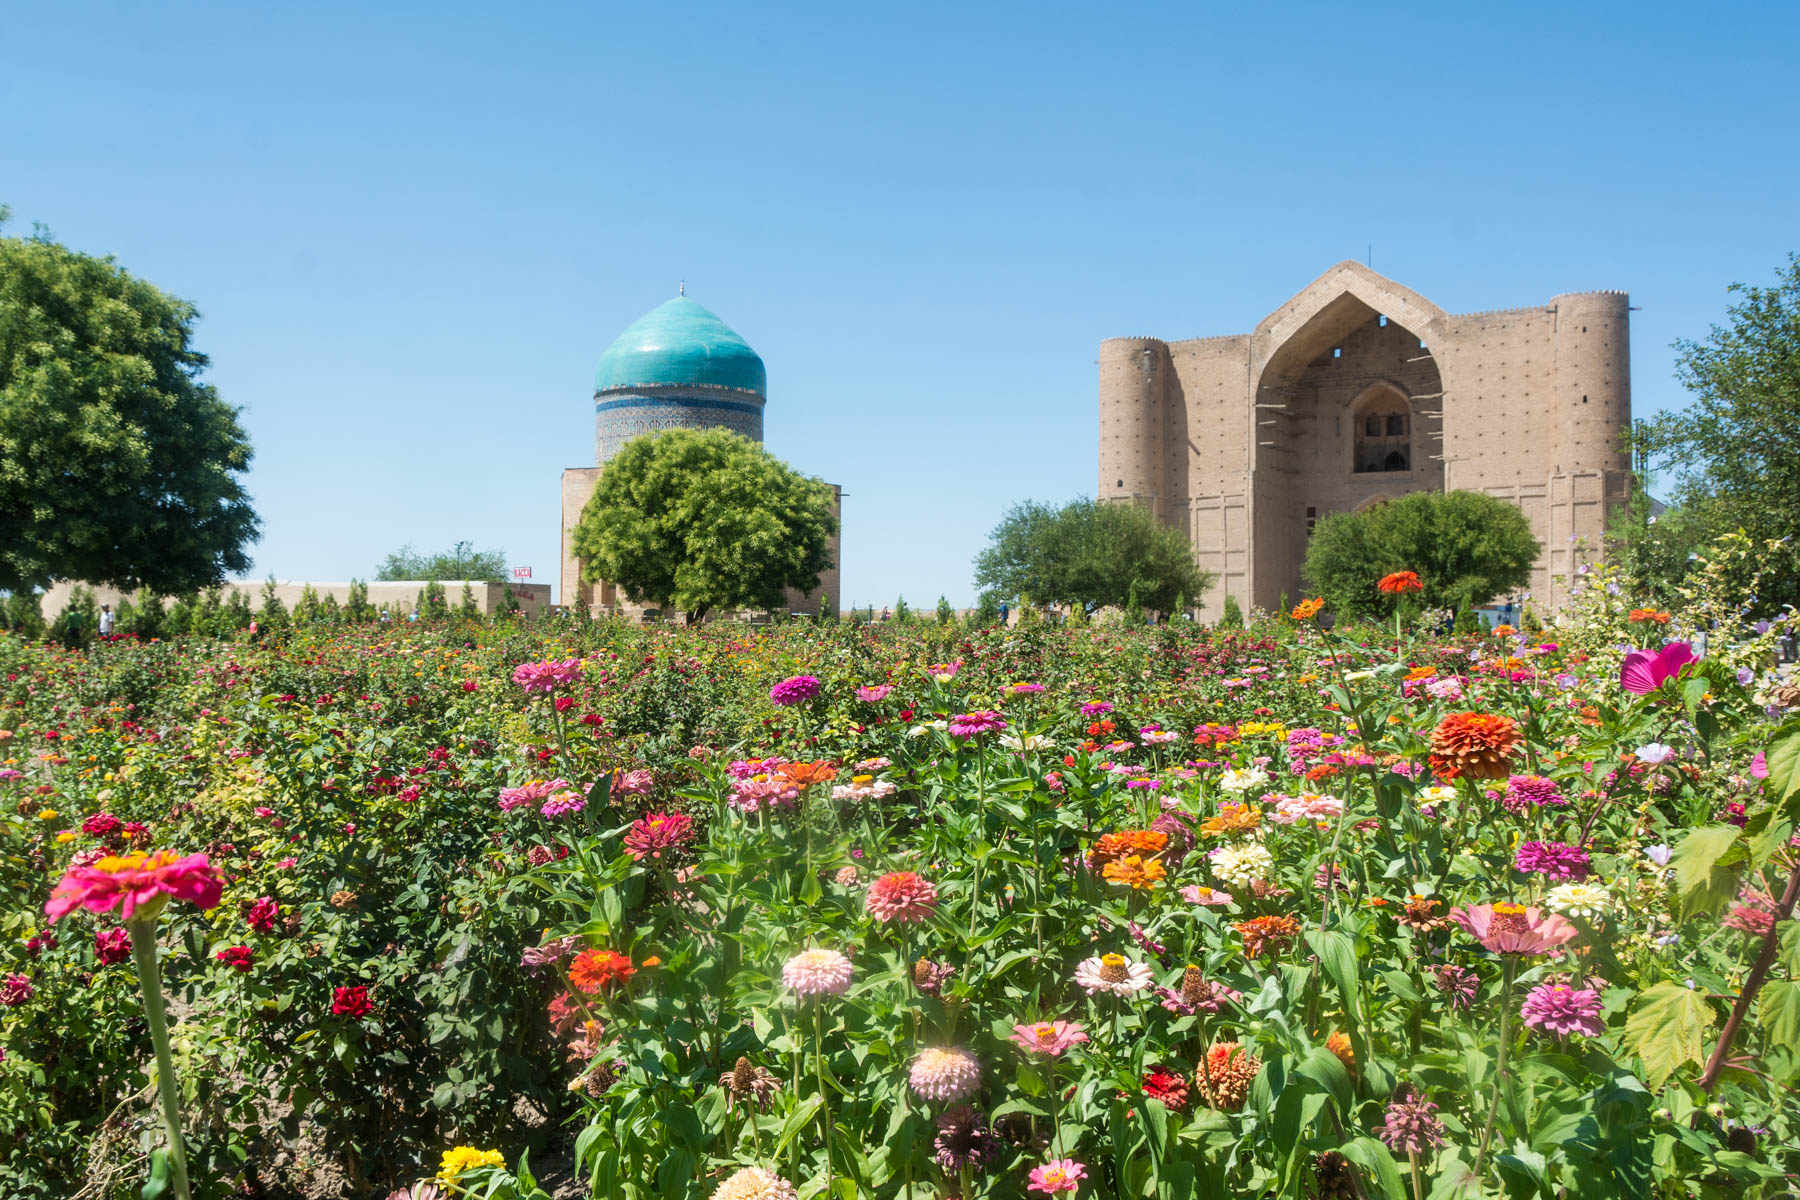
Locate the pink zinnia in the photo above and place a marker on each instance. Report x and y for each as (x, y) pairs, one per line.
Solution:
(1532, 791)
(1554, 860)
(563, 804)
(139, 880)
(817, 972)
(796, 689)
(1513, 928)
(1563, 1010)
(974, 724)
(547, 676)
(945, 1074)
(531, 793)
(1207, 897)
(902, 896)
(652, 836)
(633, 783)
(1049, 1038)
(874, 693)
(1057, 1175)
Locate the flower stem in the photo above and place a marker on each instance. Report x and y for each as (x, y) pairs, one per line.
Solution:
(824, 1097)
(1487, 1130)
(143, 956)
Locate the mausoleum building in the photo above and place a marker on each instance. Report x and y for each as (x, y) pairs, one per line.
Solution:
(676, 367)
(1360, 390)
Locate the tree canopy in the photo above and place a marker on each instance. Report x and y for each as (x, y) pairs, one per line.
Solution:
(1734, 451)
(461, 561)
(704, 519)
(1091, 554)
(117, 465)
(1467, 547)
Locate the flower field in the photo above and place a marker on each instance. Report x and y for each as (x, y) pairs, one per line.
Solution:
(908, 910)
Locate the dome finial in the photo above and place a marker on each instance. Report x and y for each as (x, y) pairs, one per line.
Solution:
(681, 288)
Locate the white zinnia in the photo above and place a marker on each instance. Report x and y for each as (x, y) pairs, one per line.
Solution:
(1589, 900)
(1242, 863)
(1245, 780)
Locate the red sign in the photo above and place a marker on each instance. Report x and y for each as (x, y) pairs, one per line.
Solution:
(521, 572)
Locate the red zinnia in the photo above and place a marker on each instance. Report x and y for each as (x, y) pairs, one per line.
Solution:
(596, 970)
(650, 836)
(241, 957)
(1161, 1083)
(352, 1002)
(1400, 582)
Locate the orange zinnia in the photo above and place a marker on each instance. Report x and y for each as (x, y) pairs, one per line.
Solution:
(1232, 818)
(1308, 609)
(1270, 935)
(1401, 581)
(1479, 745)
(805, 774)
(596, 970)
(1145, 843)
(1649, 614)
(1135, 871)
(1420, 673)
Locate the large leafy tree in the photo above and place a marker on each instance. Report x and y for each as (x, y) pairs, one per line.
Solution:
(1467, 547)
(461, 561)
(117, 465)
(1092, 554)
(1734, 452)
(704, 519)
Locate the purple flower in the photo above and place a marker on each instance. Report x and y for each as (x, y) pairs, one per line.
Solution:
(796, 689)
(563, 804)
(1563, 1010)
(1553, 860)
(1098, 708)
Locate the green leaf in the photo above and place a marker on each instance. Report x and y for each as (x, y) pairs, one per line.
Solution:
(1327, 1070)
(796, 1121)
(1667, 1029)
(1783, 760)
(158, 1184)
(1702, 863)
(1375, 1158)
(1778, 1012)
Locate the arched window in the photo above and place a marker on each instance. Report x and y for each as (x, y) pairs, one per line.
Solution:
(1382, 423)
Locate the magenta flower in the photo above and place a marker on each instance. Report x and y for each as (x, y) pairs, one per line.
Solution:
(138, 880)
(874, 693)
(1532, 791)
(974, 724)
(796, 689)
(563, 804)
(1563, 1010)
(1057, 1176)
(1553, 860)
(1410, 1125)
(1646, 670)
(15, 989)
(547, 676)
(534, 792)
(112, 945)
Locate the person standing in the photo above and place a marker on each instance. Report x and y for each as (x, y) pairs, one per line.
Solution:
(106, 620)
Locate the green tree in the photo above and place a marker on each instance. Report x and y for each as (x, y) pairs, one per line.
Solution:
(24, 612)
(433, 604)
(945, 614)
(461, 561)
(117, 465)
(704, 519)
(468, 610)
(1734, 451)
(1090, 554)
(357, 608)
(273, 614)
(1231, 616)
(1467, 547)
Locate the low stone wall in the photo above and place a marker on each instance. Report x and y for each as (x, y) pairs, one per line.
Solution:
(399, 595)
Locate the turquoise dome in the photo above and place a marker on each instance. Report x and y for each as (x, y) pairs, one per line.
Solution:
(681, 343)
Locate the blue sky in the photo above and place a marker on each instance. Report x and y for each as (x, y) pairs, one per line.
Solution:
(411, 229)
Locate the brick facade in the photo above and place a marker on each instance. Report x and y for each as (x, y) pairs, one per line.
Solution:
(1359, 390)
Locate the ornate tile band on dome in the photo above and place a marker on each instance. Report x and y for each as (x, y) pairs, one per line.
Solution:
(740, 406)
(679, 343)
